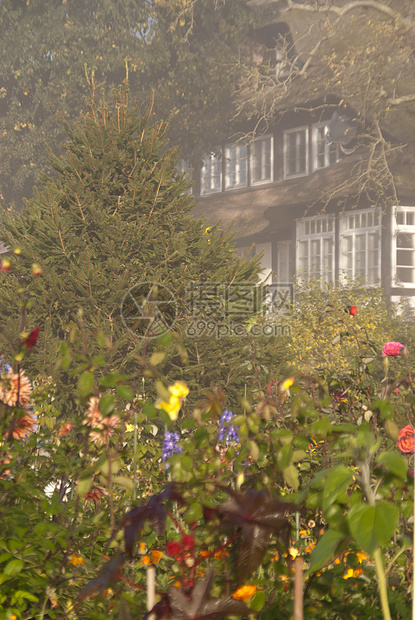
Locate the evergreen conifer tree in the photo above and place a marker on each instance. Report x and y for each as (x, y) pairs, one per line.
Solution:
(117, 213)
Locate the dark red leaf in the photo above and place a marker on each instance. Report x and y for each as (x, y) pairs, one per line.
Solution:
(258, 515)
(199, 606)
(156, 513)
(108, 572)
(31, 340)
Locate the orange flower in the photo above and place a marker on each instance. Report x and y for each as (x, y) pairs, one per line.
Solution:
(244, 593)
(93, 417)
(95, 494)
(18, 391)
(107, 426)
(65, 428)
(76, 560)
(24, 426)
(156, 555)
(146, 561)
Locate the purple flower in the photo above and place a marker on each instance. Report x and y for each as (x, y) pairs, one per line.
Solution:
(170, 446)
(4, 367)
(227, 432)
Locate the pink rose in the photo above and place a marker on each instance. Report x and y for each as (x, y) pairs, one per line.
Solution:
(406, 439)
(392, 348)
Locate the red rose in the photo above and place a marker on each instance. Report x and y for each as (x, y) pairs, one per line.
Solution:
(392, 348)
(31, 340)
(187, 542)
(353, 310)
(173, 549)
(406, 438)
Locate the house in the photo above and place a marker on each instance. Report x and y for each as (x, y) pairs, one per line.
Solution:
(300, 191)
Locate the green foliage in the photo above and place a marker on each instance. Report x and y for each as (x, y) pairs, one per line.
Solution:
(116, 214)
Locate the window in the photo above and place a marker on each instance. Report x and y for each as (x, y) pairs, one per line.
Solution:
(296, 152)
(262, 160)
(403, 262)
(211, 174)
(285, 267)
(360, 245)
(324, 154)
(236, 166)
(315, 244)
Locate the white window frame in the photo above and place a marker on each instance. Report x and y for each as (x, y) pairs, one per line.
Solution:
(241, 165)
(401, 216)
(287, 133)
(329, 149)
(285, 269)
(309, 231)
(208, 173)
(264, 179)
(352, 226)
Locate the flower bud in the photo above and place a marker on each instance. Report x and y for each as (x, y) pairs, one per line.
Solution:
(17, 251)
(36, 270)
(5, 265)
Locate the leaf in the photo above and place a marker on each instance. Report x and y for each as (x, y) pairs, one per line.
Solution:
(395, 463)
(125, 392)
(154, 511)
(259, 516)
(108, 572)
(337, 481)
(106, 404)
(86, 383)
(324, 549)
(290, 474)
(13, 567)
(83, 486)
(257, 602)
(124, 482)
(198, 605)
(157, 357)
(373, 526)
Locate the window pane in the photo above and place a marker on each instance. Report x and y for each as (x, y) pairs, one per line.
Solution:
(211, 174)
(262, 160)
(236, 166)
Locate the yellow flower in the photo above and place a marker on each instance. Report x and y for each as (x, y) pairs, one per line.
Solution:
(310, 547)
(293, 552)
(361, 556)
(302, 533)
(244, 593)
(352, 573)
(178, 391)
(76, 560)
(129, 428)
(285, 386)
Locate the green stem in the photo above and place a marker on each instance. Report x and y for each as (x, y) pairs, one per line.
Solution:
(383, 587)
(135, 457)
(380, 569)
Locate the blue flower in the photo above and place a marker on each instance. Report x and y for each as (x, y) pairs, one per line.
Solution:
(4, 367)
(227, 432)
(170, 446)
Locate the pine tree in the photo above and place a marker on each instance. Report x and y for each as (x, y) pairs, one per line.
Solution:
(117, 213)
